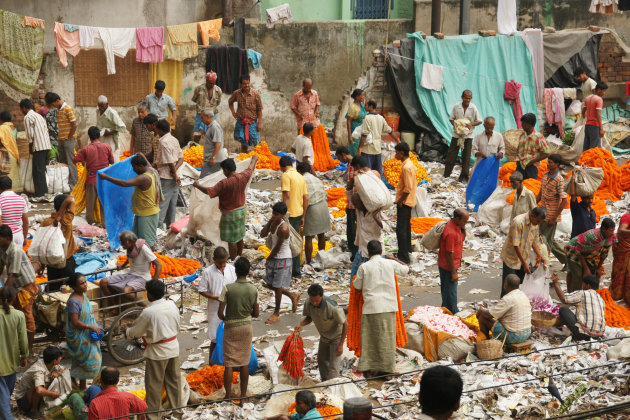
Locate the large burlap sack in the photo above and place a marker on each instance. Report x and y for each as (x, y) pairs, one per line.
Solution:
(431, 239)
(456, 348)
(373, 192)
(415, 337)
(587, 180)
(48, 247)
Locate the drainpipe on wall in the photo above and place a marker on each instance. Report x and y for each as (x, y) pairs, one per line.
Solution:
(227, 12)
(464, 17)
(436, 15)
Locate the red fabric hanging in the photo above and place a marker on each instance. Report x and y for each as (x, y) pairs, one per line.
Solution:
(512, 93)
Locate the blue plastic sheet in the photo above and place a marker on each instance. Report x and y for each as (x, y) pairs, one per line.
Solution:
(217, 354)
(480, 64)
(116, 201)
(483, 181)
(89, 262)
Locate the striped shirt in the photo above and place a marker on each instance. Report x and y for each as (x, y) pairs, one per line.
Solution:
(590, 310)
(521, 234)
(65, 118)
(16, 262)
(12, 207)
(315, 189)
(36, 131)
(552, 194)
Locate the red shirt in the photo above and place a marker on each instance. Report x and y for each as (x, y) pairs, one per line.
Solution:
(113, 403)
(231, 190)
(96, 155)
(593, 103)
(452, 240)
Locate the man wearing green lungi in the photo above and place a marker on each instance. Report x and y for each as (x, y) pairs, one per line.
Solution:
(231, 193)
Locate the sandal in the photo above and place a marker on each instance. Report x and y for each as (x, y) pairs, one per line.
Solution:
(272, 319)
(296, 302)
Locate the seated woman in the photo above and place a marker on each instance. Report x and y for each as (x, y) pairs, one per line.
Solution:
(513, 315)
(305, 407)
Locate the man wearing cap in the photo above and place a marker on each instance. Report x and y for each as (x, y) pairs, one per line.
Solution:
(110, 124)
(206, 96)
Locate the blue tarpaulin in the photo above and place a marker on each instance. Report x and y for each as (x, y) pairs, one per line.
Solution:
(480, 64)
(116, 200)
(89, 262)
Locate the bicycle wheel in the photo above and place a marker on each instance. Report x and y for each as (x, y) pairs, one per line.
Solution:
(124, 350)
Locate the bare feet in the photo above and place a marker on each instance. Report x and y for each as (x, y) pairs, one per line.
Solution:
(296, 302)
(272, 319)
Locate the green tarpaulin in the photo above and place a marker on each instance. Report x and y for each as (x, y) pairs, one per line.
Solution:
(480, 64)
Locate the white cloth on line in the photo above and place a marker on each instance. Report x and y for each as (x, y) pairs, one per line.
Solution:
(86, 36)
(432, 77)
(116, 41)
(506, 17)
(533, 39)
(279, 14)
(570, 93)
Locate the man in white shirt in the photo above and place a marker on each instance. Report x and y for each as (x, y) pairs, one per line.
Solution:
(375, 125)
(39, 144)
(587, 84)
(213, 278)
(376, 279)
(513, 314)
(110, 124)
(440, 391)
(462, 110)
(213, 151)
(303, 147)
(488, 143)
(169, 158)
(140, 258)
(158, 326)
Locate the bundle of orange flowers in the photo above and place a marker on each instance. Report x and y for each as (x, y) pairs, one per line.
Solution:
(323, 160)
(326, 411)
(171, 267)
(509, 168)
(209, 379)
(337, 198)
(391, 168)
(355, 311)
(125, 154)
(266, 160)
(611, 186)
(27, 245)
(616, 315)
(423, 224)
(194, 156)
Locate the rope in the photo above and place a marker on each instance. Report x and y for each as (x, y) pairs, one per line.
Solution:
(377, 377)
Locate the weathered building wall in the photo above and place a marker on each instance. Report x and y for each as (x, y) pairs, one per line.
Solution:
(563, 14)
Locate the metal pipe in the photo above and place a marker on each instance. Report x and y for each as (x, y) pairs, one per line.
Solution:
(436, 15)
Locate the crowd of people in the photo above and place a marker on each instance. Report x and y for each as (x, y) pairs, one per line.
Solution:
(156, 156)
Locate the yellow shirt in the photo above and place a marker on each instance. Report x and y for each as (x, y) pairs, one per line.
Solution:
(294, 183)
(144, 203)
(407, 183)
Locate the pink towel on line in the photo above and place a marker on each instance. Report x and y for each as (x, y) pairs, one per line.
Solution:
(65, 42)
(513, 94)
(149, 44)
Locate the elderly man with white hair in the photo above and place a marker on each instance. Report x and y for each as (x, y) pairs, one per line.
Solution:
(110, 124)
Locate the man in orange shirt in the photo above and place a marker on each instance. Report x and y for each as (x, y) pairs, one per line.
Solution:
(405, 201)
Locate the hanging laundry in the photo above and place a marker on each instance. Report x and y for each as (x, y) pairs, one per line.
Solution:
(86, 37)
(181, 42)
(279, 14)
(169, 71)
(116, 42)
(254, 57)
(149, 44)
(65, 42)
(21, 53)
(230, 63)
(33, 22)
(627, 88)
(432, 77)
(606, 7)
(570, 93)
(512, 93)
(554, 108)
(71, 28)
(210, 29)
(506, 17)
(533, 38)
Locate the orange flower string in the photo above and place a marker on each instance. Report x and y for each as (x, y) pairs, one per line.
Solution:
(616, 315)
(171, 267)
(424, 224)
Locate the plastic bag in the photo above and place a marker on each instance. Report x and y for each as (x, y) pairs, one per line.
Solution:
(356, 134)
(423, 203)
(373, 192)
(292, 355)
(48, 247)
(217, 354)
(431, 239)
(116, 200)
(483, 181)
(536, 285)
(587, 180)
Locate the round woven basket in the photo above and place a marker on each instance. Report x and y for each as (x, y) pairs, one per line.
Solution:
(489, 349)
(543, 319)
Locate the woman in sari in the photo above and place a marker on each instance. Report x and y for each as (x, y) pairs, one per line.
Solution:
(620, 284)
(354, 118)
(586, 253)
(80, 322)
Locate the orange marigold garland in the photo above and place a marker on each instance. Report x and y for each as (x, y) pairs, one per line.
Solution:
(392, 167)
(194, 156)
(337, 198)
(321, 149)
(266, 160)
(326, 411)
(616, 315)
(171, 267)
(209, 379)
(424, 224)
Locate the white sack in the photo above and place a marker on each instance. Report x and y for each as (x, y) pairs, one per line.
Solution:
(26, 174)
(57, 179)
(423, 203)
(491, 212)
(48, 246)
(373, 192)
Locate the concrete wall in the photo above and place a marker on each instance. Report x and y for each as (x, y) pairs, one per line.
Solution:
(563, 14)
(332, 9)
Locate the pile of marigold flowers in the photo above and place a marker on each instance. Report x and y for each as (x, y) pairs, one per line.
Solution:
(616, 315)
(424, 224)
(171, 267)
(194, 156)
(266, 160)
(337, 198)
(326, 411)
(209, 379)
(391, 168)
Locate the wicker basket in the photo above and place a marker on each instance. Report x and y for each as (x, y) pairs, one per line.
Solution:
(543, 319)
(490, 349)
